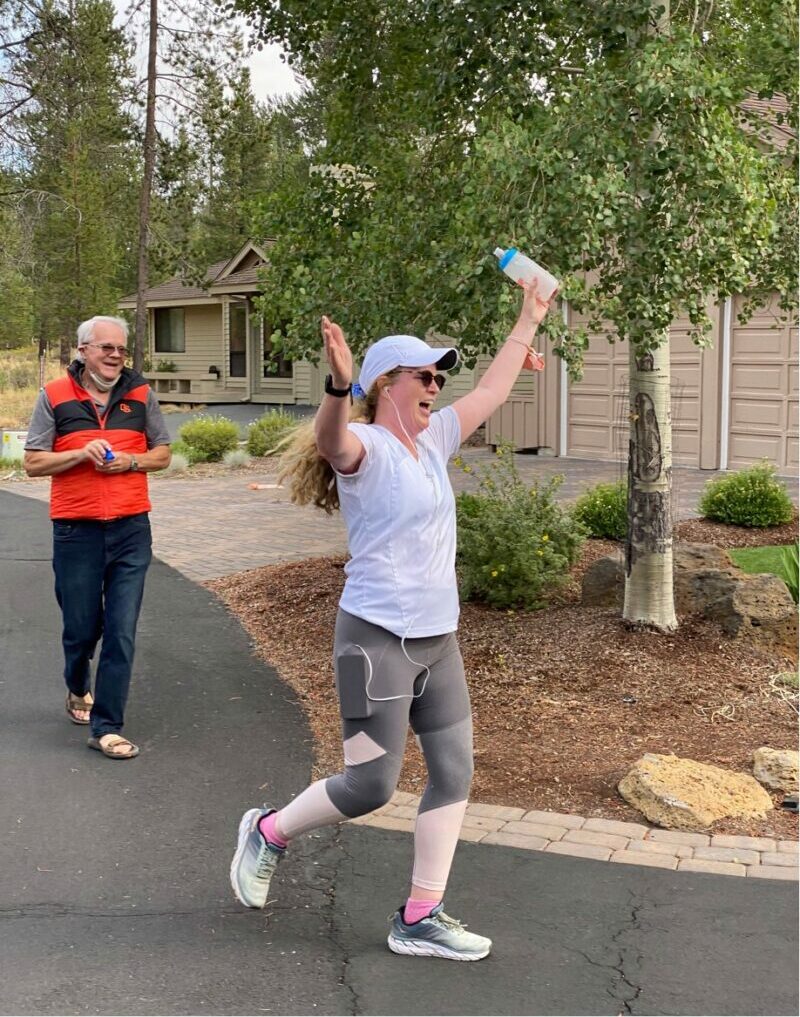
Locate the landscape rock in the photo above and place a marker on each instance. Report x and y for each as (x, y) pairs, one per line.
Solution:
(758, 608)
(706, 582)
(682, 794)
(777, 768)
(603, 583)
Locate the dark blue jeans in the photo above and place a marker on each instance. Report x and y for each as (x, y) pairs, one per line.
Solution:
(100, 570)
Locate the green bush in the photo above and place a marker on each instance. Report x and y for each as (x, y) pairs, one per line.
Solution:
(188, 452)
(211, 436)
(751, 497)
(178, 463)
(515, 544)
(603, 510)
(268, 431)
(237, 458)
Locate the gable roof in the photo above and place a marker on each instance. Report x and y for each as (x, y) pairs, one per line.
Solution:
(231, 266)
(221, 277)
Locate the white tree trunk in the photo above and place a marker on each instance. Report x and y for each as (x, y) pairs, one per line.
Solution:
(648, 560)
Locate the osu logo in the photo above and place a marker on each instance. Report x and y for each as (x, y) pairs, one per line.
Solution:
(125, 408)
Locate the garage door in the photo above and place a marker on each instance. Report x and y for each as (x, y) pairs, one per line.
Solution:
(598, 406)
(763, 390)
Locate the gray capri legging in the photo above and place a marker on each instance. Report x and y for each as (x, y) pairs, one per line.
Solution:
(384, 683)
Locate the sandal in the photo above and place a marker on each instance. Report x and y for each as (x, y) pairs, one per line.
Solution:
(108, 742)
(79, 704)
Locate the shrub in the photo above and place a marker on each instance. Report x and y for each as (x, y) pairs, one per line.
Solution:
(210, 435)
(266, 433)
(515, 544)
(751, 497)
(236, 458)
(178, 464)
(603, 510)
(790, 562)
(166, 367)
(188, 452)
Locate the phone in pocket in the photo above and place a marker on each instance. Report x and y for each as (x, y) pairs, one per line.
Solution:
(351, 683)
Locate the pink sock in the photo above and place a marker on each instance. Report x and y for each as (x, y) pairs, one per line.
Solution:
(416, 909)
(266, 826)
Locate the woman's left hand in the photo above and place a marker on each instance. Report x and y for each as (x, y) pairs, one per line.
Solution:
(533, 307)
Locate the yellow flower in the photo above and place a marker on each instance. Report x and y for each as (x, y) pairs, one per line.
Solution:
(540, 553)
(494, 573)
(545, 538)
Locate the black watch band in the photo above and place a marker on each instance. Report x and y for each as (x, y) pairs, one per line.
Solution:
(340, 393)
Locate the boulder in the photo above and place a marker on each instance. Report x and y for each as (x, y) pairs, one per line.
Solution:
(603, 583)
(682, 794)
(706, 582)
(777, 768)
(758, 608)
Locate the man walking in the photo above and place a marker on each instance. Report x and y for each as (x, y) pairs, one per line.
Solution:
(97, 432)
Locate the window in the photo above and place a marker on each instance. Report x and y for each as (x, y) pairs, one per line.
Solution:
(237, 366)
(170, 335)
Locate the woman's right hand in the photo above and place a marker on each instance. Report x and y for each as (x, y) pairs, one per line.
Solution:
(337, 352)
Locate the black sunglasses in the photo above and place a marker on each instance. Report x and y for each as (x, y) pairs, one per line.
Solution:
(426, 377)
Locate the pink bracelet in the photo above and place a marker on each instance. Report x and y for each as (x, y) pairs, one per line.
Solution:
(521, 342)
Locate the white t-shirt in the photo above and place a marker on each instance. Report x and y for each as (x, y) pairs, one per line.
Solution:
(401, 526)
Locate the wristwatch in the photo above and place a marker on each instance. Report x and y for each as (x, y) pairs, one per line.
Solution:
(340, 393)
(134, 466)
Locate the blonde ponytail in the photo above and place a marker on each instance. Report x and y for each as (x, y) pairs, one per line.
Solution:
(311, 478)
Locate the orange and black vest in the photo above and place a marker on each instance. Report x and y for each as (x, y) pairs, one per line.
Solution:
(83, 492)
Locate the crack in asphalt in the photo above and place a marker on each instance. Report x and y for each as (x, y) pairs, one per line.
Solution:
(342, 854)
(624, 1000)
(323, 860)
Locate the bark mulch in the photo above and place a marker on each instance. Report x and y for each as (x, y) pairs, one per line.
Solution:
(564, 699)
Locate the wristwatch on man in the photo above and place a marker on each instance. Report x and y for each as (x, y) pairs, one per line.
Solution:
(340, 393)
(134, 466)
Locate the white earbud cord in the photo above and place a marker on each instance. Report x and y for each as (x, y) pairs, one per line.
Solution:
(437, 502)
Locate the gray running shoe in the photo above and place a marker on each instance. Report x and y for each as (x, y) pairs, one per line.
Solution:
(254, 862)
(438, 935)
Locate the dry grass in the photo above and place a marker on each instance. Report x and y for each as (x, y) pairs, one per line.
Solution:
(19, 385)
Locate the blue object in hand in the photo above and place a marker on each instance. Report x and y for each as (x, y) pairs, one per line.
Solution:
(109, 456)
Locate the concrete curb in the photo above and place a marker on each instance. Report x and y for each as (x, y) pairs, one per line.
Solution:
(606, 840)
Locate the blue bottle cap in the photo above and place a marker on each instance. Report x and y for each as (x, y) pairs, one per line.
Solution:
(509, 254)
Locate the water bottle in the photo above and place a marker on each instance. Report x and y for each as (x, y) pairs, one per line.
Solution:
(519, 266)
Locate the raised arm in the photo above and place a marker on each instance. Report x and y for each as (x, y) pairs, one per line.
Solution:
(340, 447)
(516, 352)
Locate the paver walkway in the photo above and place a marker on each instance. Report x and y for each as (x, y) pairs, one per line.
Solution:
(208, 527)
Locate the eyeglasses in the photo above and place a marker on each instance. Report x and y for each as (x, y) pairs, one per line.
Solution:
(109, 348)
(426, 377)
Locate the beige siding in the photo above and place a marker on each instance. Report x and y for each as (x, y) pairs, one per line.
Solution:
(597, 414)
(763, 399)
(597, 408)
(203, 332)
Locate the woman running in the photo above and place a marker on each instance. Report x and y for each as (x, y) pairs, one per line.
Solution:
(396, 657)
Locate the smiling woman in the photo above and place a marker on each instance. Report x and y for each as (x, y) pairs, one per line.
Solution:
(397, 660)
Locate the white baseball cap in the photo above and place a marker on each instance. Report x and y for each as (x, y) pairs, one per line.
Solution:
(402, 351)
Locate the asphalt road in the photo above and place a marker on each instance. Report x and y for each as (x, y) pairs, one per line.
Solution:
(114, 895)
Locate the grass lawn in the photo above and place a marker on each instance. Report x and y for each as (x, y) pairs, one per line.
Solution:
(761, 559)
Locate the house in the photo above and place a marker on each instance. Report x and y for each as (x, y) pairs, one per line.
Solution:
(732, 404)
(207, 345)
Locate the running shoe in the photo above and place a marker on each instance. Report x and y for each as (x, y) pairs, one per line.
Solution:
(438, 935)
(254, 862)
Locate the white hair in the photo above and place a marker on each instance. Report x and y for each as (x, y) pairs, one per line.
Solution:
(86, 329)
